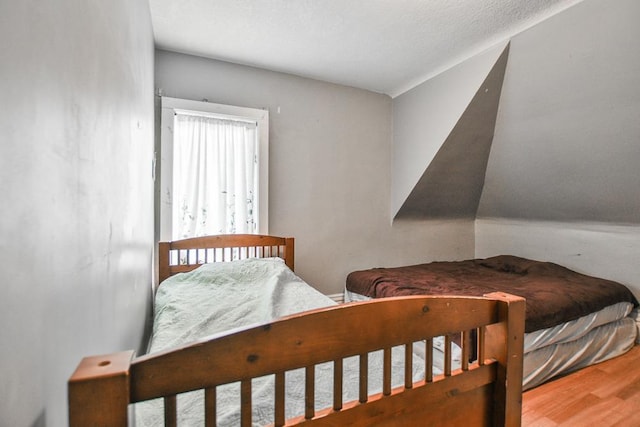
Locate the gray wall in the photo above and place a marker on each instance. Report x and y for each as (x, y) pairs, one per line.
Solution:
(600, 249)
(76, 129)
(563, 181)
(330, 169)
(567, 137)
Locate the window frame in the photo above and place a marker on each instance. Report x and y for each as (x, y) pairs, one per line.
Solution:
(168, 110)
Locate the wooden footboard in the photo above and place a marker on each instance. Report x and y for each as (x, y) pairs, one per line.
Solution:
(486, 392)
(185, 255)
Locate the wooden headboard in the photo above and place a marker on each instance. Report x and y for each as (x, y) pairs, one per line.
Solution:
(185, 255)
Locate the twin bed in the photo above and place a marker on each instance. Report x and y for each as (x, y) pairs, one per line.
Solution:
(246, 342)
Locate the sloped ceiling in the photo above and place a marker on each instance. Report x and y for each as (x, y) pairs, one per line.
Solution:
(565, 143)
(382, 46)
(442, 133)
(452, 183)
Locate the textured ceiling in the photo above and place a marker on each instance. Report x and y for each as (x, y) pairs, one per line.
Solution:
(386, 46)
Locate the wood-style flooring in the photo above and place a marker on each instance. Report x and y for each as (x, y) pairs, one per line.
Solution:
(602, 395)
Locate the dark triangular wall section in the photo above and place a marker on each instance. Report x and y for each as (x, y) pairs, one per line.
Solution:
(452, 184)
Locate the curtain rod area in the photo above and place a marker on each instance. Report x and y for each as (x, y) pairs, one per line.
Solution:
(215, 116)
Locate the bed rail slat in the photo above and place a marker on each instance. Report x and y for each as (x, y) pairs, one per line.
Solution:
(428, 360)
(245, 403)
(386, 374)
(364, 378)
(408, 365)
(210, 410)
(466, 344)
(447, 355)
(309, 391)
(170, 411)
(279, 399)
(337, 384)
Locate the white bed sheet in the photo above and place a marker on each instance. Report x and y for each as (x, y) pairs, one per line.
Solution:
(635, 315)
(575, 329)
(590, 339)
(602, 343)
(220, 297)
(565, 332)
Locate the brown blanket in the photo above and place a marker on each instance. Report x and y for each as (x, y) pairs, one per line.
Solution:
(554, 293)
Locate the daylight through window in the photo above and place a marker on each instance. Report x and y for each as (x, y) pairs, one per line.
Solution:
(214, 176)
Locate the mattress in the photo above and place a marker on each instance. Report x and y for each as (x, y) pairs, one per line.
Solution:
(219, 298)
(554, 294)
(602, 343)
(564, 348)
(635, 315)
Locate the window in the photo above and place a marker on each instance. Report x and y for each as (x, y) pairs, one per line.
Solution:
(214, 169)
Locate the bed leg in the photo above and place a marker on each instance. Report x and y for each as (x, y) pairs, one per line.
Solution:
(164, 270)
(289, 256)
(508, 405)
(99, 390)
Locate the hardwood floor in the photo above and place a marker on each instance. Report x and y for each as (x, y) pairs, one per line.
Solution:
(603, 395)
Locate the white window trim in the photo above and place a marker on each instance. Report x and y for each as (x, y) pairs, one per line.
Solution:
(168, 108)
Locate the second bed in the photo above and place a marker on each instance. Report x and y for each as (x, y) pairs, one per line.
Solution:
(572, 320)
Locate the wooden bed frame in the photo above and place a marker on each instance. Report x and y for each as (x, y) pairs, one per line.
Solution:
(487, 392)
(185, 255)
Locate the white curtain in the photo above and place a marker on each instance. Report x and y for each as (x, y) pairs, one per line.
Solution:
(215, 176)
